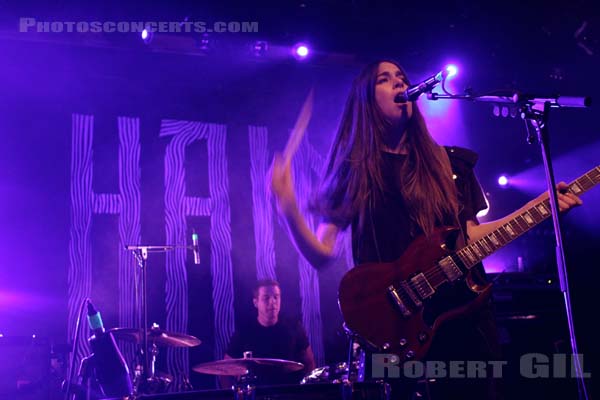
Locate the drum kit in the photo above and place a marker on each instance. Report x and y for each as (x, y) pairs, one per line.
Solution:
(147, 380)
(247, 366)
(246, 369)
(154, 381)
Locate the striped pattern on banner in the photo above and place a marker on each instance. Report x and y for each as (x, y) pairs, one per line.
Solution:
(85, 203)
(261, 210)
(306, 164)
(80, 252)
(177, 207)
(129, 223)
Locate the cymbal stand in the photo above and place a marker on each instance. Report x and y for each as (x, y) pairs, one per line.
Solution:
(140, 252)
(141, 255)
(357, 351)
(245, 387)
(152, 383)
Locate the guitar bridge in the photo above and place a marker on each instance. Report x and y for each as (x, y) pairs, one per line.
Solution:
(398, 302)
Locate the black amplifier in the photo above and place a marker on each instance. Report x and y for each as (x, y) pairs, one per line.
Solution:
(316, 391)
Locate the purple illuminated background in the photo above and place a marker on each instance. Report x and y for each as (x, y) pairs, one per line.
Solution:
(44, 83)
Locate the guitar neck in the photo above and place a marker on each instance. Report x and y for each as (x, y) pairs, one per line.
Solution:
(473, 253)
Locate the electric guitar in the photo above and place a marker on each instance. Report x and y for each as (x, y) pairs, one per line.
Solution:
(397, 307)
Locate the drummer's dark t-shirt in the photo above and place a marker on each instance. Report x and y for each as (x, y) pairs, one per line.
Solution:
(285, 340)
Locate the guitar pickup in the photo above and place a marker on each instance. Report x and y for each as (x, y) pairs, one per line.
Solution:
(411, 293)
(450, 269)
(421, 285)
(398, 302)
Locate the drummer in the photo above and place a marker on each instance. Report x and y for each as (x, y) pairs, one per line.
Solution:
(269, 336)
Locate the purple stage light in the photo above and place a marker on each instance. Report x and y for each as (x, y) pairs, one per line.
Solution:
(452, 70)
(503, 180)
(147, 35)
(301, 51)
(206, 43)
(259, 48)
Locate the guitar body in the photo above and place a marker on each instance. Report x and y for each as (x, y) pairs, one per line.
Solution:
(370, 311)
(397, 307)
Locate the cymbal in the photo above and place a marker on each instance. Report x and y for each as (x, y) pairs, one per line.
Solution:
(156, 335)
(243, 366)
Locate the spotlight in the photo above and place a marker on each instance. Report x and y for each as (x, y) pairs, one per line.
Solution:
(300, 51)
(147, 35)
(504, 111)
(205, 43)
(503, 181)
(259, 48)
(452, 70)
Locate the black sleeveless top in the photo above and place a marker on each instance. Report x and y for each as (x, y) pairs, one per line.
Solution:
(388, 230)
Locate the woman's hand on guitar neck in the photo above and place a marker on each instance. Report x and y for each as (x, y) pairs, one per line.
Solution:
(566, 199)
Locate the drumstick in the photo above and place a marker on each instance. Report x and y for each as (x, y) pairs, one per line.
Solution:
(299, 128)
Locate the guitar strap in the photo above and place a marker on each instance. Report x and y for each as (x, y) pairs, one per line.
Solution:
(477, 276)
(461, 240)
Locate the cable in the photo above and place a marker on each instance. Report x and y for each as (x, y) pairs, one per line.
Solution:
(444, 88)
(74, 349)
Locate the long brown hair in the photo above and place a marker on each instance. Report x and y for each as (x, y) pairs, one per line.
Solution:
(353, 175)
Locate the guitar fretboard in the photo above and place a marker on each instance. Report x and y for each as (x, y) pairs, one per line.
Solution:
(475, 252)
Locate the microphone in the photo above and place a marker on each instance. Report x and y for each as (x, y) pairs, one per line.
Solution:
(413, 92)
(109, 366)
(94, 320)
(195, 248)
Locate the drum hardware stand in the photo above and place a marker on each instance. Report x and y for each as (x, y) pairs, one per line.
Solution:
(140, 252)
(153, 382)
(353, 339)
(245, 387)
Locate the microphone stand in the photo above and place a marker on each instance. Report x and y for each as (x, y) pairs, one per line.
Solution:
(536, 109)
(539, 120)
(140, 252)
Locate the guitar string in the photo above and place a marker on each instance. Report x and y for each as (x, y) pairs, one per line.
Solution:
(436, 271)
